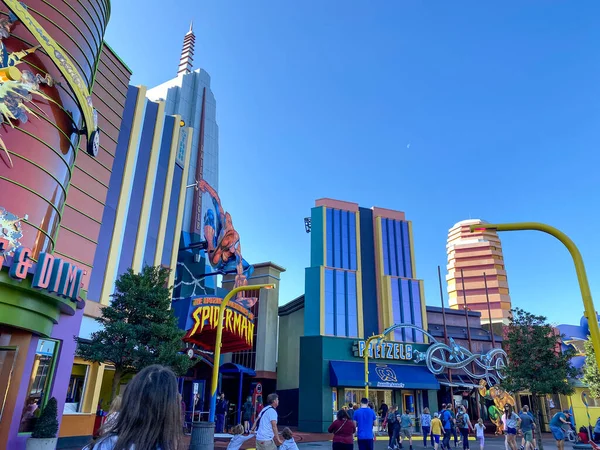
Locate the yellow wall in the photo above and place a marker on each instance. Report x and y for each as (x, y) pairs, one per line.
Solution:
(579, 410)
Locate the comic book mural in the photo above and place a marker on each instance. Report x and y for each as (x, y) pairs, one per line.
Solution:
(500, 398)
(196, 298)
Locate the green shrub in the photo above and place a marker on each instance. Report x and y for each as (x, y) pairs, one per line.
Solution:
(46, 426)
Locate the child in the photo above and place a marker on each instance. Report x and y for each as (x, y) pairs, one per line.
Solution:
(436, 430)
(238, 437)
(288, 440)
(479, 429)
(583, 435)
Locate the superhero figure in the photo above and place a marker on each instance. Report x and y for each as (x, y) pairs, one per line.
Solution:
(223, 244)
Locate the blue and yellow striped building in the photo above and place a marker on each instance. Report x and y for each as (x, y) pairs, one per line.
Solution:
(143, 212)
(362, 280)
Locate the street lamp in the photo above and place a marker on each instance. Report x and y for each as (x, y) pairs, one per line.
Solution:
(219, 339)
(366, 358)
(588, 303)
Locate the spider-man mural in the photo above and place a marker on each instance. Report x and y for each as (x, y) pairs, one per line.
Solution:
(224, 250)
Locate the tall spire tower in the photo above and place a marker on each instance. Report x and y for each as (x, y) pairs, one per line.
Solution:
(187, 52)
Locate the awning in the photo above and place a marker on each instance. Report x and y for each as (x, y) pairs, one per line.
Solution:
(236, 368)
(463, 381)
(390, 376)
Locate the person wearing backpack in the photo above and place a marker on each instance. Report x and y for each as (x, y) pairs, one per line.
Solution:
(393, 427)
(463, 423)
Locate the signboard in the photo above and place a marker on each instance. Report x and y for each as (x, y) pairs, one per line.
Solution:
(391, 351)
(196, 387)
(180, 159)
(238, 325)
(50, 273)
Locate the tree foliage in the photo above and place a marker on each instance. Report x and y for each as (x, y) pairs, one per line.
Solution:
(591, 375)
(46, 427)
(138, 327)
(536, 362)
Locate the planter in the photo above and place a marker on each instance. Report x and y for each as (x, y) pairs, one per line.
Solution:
(41, 444)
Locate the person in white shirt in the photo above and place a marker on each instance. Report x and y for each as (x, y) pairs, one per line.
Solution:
(238, 438)
(267, 435)
(288, 440)
(479, 429)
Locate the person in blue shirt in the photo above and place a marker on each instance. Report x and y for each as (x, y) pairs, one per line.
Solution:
(448, 423)
(560, 420)
(365, 419)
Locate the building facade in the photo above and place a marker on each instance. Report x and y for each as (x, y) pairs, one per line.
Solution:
(52, 185)
(143, 209)
(470, 256)
(362, 280)
(189, 95)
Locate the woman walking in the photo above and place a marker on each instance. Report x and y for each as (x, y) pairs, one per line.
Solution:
(150, 415)
(512, 422)
(343, 430)
(426, 426)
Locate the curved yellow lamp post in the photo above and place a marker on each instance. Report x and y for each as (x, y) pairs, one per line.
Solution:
(366, 358)
(588, 303)
(219, 341)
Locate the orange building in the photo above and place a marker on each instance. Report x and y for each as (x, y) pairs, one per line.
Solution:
(471, 255)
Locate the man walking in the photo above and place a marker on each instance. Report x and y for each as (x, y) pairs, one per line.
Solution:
(364, 420)
(448, 423)
(406, 429)
(557, 423)
(527, 426)
(221, 410)
(267, 435)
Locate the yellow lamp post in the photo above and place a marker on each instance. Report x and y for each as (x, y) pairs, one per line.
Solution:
(366, 358)
(588, 303)
(219, 341)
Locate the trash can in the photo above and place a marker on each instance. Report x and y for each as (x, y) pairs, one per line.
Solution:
(203, 436)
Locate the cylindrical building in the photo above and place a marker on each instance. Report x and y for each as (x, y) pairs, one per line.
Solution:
(49, 54)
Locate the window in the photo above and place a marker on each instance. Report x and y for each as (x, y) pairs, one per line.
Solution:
(8, 356)
(76, 390)
(39, 384)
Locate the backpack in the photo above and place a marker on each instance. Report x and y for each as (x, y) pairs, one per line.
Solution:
(460, 420)
(391, 418)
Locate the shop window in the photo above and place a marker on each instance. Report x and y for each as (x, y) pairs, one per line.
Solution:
(40, 383)
(76, 391)
(8, 356)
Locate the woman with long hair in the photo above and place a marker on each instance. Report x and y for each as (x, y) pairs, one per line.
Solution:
(113, 412)
(426, 426)
(150, 415)
(511, 422)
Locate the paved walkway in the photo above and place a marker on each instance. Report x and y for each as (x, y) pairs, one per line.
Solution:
(319, 441)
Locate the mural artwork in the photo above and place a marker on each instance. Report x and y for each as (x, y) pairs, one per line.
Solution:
(223, 244)
(500, 398)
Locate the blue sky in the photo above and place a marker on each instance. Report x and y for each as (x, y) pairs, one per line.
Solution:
(444, 110)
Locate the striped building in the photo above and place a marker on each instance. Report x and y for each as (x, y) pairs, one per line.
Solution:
(142, 216)
(362, 280)
(470, 256)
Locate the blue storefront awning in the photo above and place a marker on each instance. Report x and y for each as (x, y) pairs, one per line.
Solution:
(387, 376)
(236, 368)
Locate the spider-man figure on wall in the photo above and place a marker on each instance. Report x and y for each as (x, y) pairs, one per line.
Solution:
(223, 244)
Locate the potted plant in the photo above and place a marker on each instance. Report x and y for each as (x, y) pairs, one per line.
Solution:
(45, 429)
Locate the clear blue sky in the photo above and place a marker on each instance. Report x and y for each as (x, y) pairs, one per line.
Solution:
(444, 110)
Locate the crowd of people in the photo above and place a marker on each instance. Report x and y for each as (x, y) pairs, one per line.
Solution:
(148, 416)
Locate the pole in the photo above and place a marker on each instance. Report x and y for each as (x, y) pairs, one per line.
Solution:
(366, 359)
(462, 279)
(584, 286)
(239, 406)
(445, 332)
(487, 297)
(219, 341)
